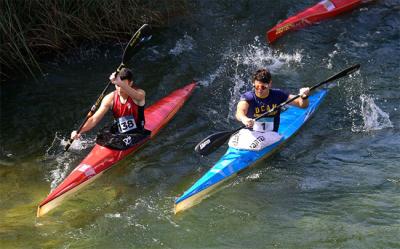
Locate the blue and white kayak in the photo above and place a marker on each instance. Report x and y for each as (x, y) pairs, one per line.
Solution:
(235, 160)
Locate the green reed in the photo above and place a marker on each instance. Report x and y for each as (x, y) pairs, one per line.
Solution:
(32, 29)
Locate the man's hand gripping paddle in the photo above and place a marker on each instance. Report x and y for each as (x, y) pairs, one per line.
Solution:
(214, 141)
(137, 41)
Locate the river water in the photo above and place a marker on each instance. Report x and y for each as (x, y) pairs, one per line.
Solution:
(335, 185)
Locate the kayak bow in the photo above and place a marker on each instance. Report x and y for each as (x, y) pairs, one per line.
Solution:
(101, 158)
(235, 160)
(321, 11)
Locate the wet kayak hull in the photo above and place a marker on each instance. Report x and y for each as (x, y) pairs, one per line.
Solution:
(321, 11)
(100, 159)
(234, 160)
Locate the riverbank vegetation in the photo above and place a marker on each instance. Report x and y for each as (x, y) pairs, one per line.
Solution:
(33, 29)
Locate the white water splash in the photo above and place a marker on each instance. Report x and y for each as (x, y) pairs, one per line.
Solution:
(238, 65)
(332, 55)
(247, 60)
(374, 118)
(258, 56)
(59, 173)
(235, 93)
(55, 153)
(59, 143)
(79, 144)
(252, 58)
(212, 76)
(182, 45)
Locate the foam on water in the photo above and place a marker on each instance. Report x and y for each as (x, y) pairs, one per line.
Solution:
(254, 176)
(183, 45)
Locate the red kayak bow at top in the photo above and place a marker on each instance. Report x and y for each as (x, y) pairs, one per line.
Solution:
(321, 11)
(101, 158)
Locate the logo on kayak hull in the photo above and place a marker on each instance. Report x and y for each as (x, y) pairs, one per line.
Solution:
(88, 170)
(204, 144)
(256, 142)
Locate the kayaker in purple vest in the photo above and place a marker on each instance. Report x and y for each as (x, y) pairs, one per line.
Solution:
(263, 98)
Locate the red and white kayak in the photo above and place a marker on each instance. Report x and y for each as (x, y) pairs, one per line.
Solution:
(101, 158)
(321, 11)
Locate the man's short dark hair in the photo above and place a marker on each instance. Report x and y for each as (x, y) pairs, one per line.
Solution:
(262, 75)
(126, 74)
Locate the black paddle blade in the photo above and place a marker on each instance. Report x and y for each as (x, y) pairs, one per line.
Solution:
(352, 69)
(212, 142)
(137, 41)
(341, 74)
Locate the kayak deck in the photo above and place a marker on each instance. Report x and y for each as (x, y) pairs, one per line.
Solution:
(235, 160)
(101, 158)
(322, 10)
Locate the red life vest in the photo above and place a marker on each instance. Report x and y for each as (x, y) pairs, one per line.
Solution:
(127, 109)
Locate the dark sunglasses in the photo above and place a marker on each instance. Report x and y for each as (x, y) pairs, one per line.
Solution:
(262, 87)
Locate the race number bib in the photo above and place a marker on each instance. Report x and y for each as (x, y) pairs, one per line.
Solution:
(126, 123)
(264, 124)
(247, 139)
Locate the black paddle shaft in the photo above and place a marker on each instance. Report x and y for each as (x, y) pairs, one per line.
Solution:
(141, 36)
(214, 141)
(343, 73)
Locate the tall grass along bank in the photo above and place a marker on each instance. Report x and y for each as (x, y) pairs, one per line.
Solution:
(31, 29)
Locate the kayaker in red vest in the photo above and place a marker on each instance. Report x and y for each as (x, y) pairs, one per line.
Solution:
(263, 98)
(127, 104)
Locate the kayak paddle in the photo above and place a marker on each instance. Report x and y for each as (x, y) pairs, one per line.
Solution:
(214, 141)
(141, 36)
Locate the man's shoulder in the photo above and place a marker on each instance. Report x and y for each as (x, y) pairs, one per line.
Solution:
(247, 96)
(110, 95)
(109, 98)
(279, 94)
(277, 91)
